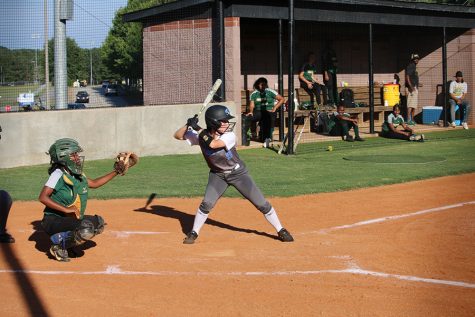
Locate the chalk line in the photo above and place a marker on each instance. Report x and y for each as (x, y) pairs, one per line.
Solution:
(115, 270)
(389, 218)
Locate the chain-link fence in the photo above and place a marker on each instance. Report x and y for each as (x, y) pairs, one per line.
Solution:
(28, 58)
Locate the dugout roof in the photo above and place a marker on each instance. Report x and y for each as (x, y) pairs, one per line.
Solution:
(350, 11)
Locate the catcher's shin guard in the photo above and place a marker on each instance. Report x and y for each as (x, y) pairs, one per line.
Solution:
(84, 232)
(99, 228)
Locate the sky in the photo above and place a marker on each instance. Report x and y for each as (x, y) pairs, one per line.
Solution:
(22, 22)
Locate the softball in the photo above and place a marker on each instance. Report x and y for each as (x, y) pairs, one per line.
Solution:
(330, 148)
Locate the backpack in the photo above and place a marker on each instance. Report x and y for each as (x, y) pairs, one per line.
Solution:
(324, 122)
(347, 98)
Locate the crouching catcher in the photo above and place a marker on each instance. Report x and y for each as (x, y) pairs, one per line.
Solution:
(65, 197)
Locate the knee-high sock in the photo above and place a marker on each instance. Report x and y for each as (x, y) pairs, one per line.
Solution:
(273, 219)
(200, 219)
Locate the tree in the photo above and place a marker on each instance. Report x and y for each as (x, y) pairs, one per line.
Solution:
(123, 48)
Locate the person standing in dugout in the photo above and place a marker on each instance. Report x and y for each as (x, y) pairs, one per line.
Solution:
(218, 146)
(412, 88)
(263, 100)
(65, 197)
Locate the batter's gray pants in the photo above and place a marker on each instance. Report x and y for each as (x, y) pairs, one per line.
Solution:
(239, 179)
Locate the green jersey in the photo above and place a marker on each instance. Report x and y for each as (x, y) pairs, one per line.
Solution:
(67, 191)
(264, 100)
(309, 70)
(396, 121)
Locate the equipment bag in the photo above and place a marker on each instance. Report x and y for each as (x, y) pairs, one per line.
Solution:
(347, 98)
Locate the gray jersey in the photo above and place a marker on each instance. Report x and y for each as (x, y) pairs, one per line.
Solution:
(219, 160)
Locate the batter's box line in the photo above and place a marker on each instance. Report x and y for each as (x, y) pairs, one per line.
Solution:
(353, 270)
(388, 218)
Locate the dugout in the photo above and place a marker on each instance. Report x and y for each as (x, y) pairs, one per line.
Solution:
(189, 43)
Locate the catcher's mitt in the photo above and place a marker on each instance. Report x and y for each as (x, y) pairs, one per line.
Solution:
(124, 161)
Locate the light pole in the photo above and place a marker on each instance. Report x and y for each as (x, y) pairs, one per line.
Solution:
(90, 61)
(36, 36)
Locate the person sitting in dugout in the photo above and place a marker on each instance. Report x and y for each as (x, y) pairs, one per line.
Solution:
(341, 123)
(395, 120)
(65, 197)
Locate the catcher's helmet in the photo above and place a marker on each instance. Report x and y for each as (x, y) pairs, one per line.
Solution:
(60, 153)
(215, 114)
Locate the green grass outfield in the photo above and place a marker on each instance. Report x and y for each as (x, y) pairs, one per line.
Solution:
(312, 170)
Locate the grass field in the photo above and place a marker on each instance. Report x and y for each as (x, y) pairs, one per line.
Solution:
(312, 170)
(10, 93)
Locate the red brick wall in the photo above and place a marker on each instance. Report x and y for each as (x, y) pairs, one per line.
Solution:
(178, 61)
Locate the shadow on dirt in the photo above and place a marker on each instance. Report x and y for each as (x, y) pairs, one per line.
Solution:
(43, 243)
(186, 220)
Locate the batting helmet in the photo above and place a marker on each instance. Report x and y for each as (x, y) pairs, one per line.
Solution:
(215, 114)
(60, 153)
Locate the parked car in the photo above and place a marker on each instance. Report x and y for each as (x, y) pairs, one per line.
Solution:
(82, 96)
(76, 106)
(111, 89)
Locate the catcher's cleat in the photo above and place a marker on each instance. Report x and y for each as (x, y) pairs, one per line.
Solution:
(59, 253)
(190, 237)
(285, 236)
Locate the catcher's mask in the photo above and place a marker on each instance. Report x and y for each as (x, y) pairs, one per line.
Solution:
(216, 114)
(65, 152)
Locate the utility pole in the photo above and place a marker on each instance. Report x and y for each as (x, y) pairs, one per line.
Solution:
(63, 11)
(46, 53)
(36, 37)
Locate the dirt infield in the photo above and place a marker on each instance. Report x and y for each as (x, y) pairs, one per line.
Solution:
(399, 250)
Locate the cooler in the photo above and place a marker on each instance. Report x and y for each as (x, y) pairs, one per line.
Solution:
(431, 114)
(391, 94)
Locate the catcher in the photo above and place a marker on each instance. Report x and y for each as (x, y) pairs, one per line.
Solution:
(65, 197)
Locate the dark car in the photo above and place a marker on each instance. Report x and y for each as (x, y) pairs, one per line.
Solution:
(82, 96)
(111, 89)
(76, 106)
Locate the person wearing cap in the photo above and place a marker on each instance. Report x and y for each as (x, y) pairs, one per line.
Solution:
(457, 93)
(412, 85)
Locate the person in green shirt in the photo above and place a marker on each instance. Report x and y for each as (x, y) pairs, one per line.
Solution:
(392, 128)
(65, 197)
(264, 102)
(308, 80)
(341, 123)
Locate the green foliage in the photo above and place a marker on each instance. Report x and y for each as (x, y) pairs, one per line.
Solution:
(314, 170)
(18, 65)
(123, 48)
(79, 61)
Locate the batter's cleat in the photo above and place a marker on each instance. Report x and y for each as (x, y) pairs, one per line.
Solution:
(285, 236)
(59, 253)
(465, 125)
(190, 237)
(453, 124)
(359, 139)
